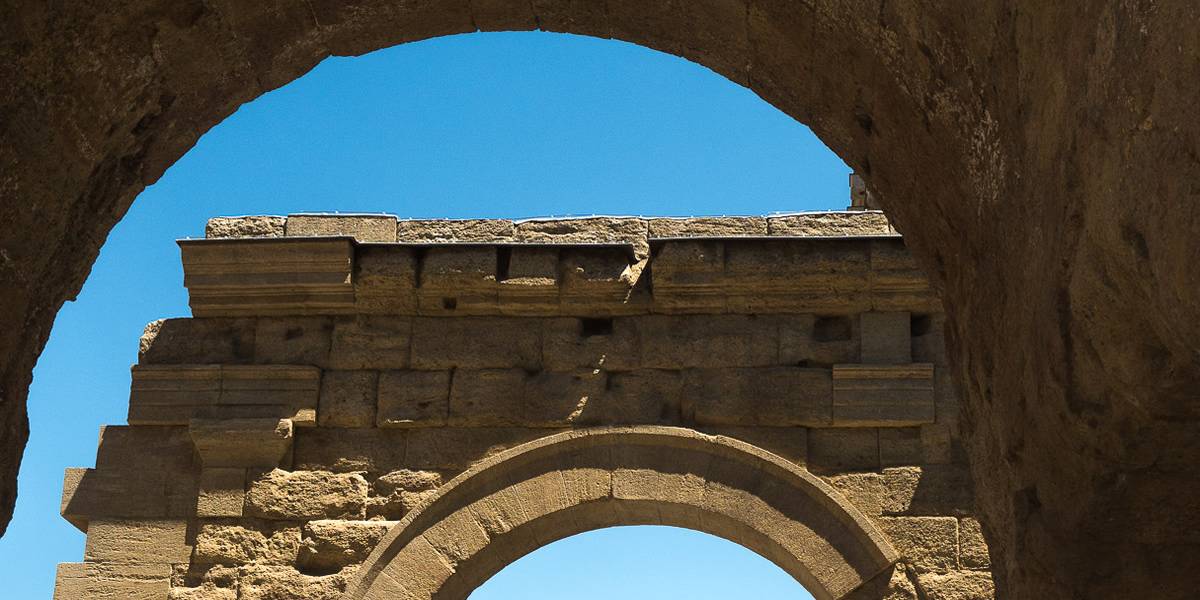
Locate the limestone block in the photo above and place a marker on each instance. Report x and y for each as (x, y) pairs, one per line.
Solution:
(529, 283)
(883, 395)
(863, 490)
(928, 543)
(833, 224)
(293, 340)
(457, 280)
(457, 448)
(957, 585)
(972, 549)
(406, 480)
(261, 277)
(817, 341)
(363, 228)
(284, 391)
(938, 445)
(413, 398)
(608, 343)
(241, 442)
(929, 490)
(203, 592)
(487, 397)
(689, 276)
(385, 279)
(476, 343)
(89, 581)
(797, 276)
(627, 230)
(558, 398)
(242, 227)
(277, 583)
(897, 282)
(350, 450)
(637, 397)
(454, 230)
(144, 542)
(197, 341)
(788, 442)
(892, 584)
(886, 337)
(234, 543)
(692, 341)
(166, 449)
(770, 396)
(929, 338)
(330, 545)
(371, 342)
(707, 227)
(125, 494)
(843, 449)
(347, 399)
(306, 495)
(222, 492)
(171, 394)
(598, 280)
(900, 447)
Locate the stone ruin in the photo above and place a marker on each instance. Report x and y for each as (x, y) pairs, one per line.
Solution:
(365, 407)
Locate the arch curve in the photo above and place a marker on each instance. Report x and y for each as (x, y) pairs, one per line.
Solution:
(577, 481)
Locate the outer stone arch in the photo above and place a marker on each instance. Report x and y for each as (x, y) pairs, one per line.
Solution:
(577, 481)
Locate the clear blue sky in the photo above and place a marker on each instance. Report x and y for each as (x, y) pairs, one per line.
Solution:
(483, 125)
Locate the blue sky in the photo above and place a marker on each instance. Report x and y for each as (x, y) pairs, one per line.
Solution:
(482, 125)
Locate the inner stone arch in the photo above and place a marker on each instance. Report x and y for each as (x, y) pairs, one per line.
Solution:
(582, 480)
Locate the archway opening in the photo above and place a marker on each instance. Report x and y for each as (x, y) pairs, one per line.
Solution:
(636, 562)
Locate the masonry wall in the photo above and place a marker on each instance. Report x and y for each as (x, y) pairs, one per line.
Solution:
(340, 369)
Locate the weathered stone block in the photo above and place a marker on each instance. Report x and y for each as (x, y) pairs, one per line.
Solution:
(306, 495)
(928, 543)
(883, 395)
(385, 279)
(348, 399)
(456, 448)
(236, 543)
(556, 398)
(330, 545)
(886, 337)
(350, 450)
(363, 228)
(458, 280)
(637, 397)
(864, 490)
(771, 396)
(628, 230)
(608, 343)
(282, 391)
(197, 341)
(90, 581)
(817, 341)
(688, 277)
(842, 449)
(143, 542)
(222, 492)
(788, 442)
(371, 342)
(242, 227)
(293, 340)
(707, 227)
(529, 283)
(279, 276)
(267, 582)
(454, 230)
(929, 490)
(203, 592)
(597, 280)
(162, 394)
(476, 343)
(972, 549)
(241, 442)
(831, 224)
(413, 398)
(957, 585)
(693, 341)
(900, 447)
(797, 276)
(487, 397)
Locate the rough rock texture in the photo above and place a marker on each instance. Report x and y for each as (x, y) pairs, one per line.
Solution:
(1041, 158)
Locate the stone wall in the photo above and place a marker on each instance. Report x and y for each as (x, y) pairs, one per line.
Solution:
(340, 369)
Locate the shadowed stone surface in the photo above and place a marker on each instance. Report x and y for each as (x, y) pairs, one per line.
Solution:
(1040, 157)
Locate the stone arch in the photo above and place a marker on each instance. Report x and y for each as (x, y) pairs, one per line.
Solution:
(577, 481)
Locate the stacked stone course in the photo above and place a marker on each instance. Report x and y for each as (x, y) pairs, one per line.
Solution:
(339, 370)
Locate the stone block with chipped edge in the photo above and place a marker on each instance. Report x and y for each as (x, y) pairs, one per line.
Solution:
(413, 398)
(833, 224)
(454, 230)
(241, 227)
(241, 442)
(706, 227)
(363, 228)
